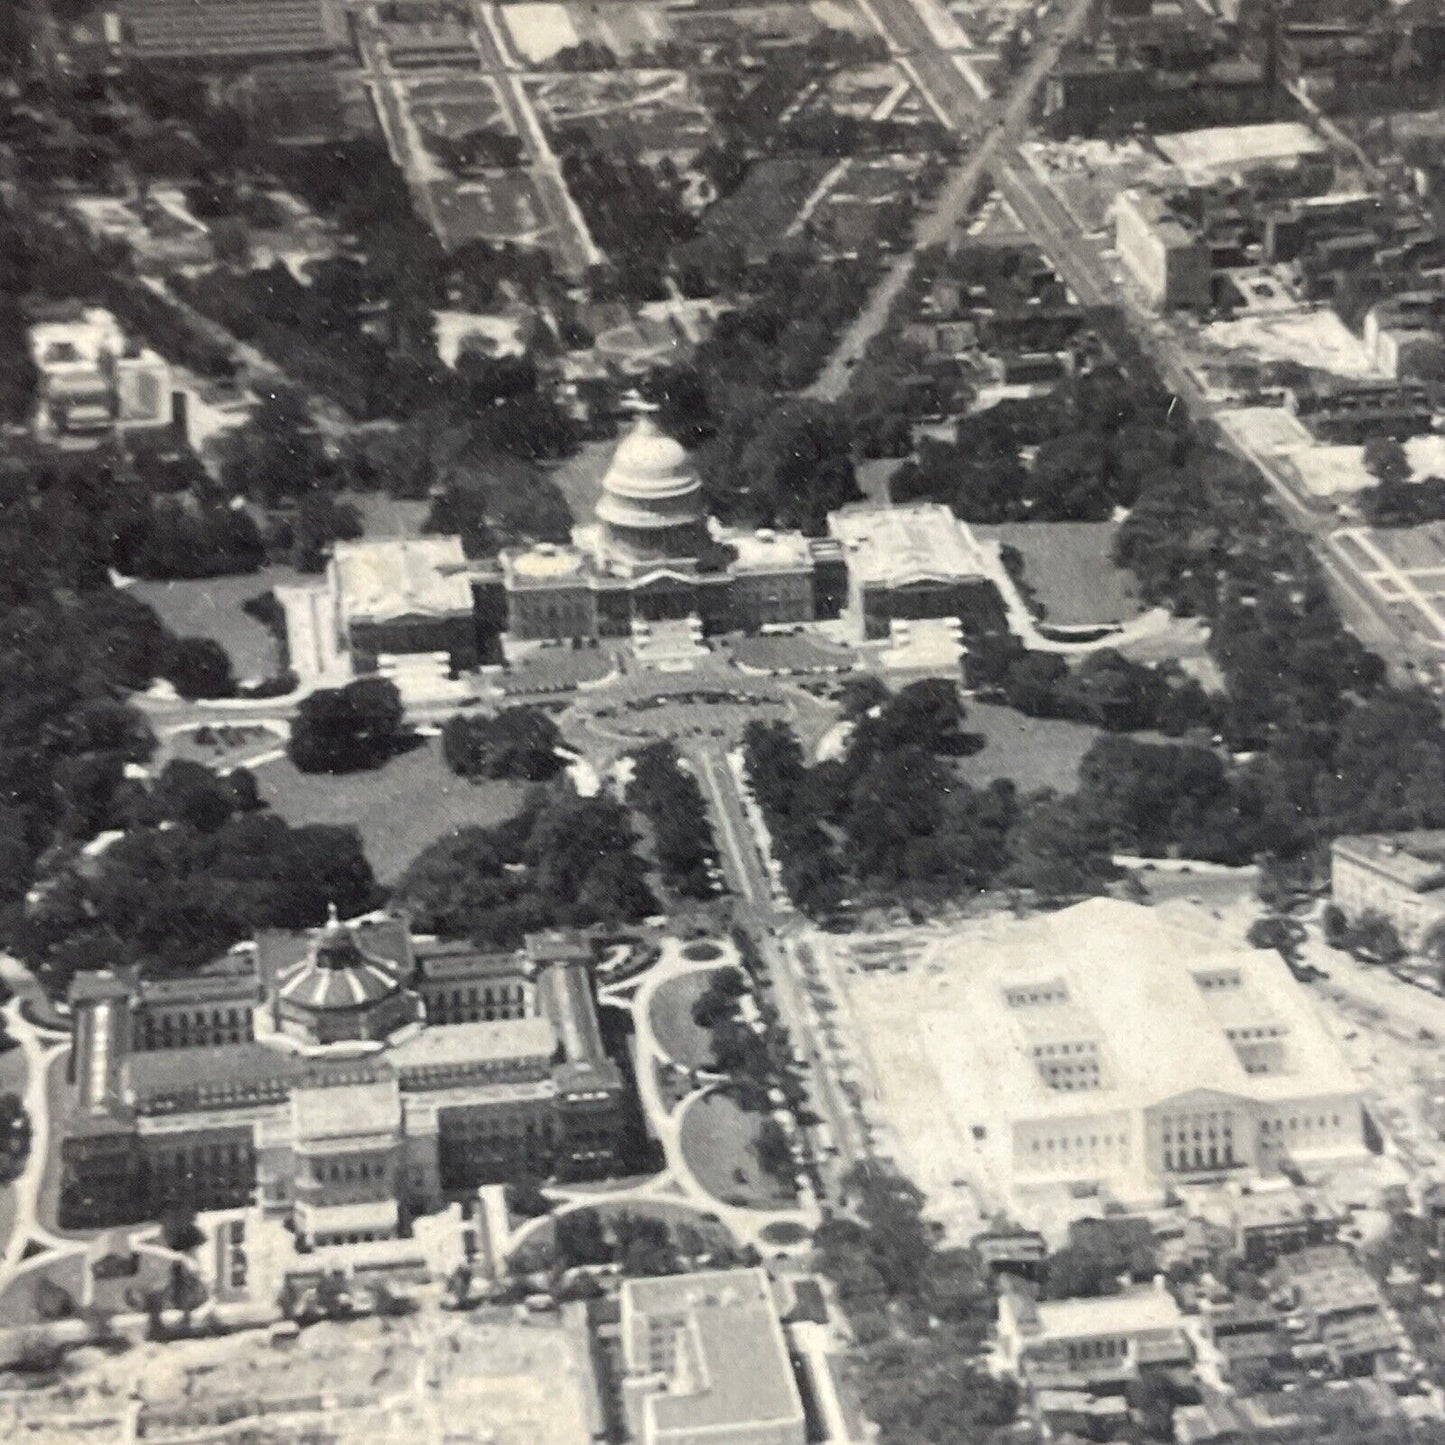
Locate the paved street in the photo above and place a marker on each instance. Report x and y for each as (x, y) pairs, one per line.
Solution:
(948, 89)
(773, 926)
(577, 249)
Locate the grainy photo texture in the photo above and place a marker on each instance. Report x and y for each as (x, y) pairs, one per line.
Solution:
(722, 722)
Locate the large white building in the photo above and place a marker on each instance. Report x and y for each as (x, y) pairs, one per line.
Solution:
(1400, 876)
(1165, 256)
(705, 1362)
(1103, 1046)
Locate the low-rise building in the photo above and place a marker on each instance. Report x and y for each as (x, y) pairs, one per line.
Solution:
(1090, 1343)
(1405, 334)
(1355, 412)
(401, 597)
(1337, 1310)
(343, 1087)
(93, 379)
(1166, 256)
(1400, 876)
(705, 1362)
(1271, 1222)
(1361, 1412)
(1246, 1339)
(230, 31)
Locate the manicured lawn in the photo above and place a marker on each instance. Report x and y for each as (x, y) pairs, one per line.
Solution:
(580, 476)
(1034, 752)
(399, 809)
(17, 1301)
(715, 1233)
(386, 516)
(787, 652)
(12, 1081)
(671, 1016)
(874, 475)
(718, 1138)
(211, 607)
(1069, 567)
(555, 671)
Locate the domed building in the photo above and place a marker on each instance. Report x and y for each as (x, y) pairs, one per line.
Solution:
(342, 1080)
(339, 993)
(652, 507)
(652, 555)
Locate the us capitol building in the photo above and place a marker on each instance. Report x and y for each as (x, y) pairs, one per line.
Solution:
(343, 1089)
(653, 555)
(650, 556)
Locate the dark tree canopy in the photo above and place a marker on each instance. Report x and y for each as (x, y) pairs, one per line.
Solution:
(564, 860)
(521, 743)
(342, 730)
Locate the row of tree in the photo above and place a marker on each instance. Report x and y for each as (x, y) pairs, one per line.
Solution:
(666, 792)
(919, 1316)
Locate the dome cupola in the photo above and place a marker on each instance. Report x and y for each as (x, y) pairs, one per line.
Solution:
(651, 507)
(339, 992)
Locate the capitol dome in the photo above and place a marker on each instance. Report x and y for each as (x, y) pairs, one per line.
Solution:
(651, 507)
(340, 993)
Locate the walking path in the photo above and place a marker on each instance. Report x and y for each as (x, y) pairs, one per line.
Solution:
(676, 1185)
(41, 1047)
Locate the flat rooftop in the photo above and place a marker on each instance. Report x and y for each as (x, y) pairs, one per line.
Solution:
(346, 1111)
(503, 1040)
(1220, 150)
(1413, 860)
(179, 29)
(1161, 1007)
(1131, 1311)
(892, 546)
(224, 1073)
(769, 551)
(739, 1372)
(1170, 227)
(384, 581)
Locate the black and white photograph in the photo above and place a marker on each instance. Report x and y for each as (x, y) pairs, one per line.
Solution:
(722, 722)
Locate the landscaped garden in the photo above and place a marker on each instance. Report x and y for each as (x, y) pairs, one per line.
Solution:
(598, 1229)
(674, 1025)
(399, 808)
(677, 1033)
(1033, 752)
(115, 1283)
(212, 607)
(725, 1146)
